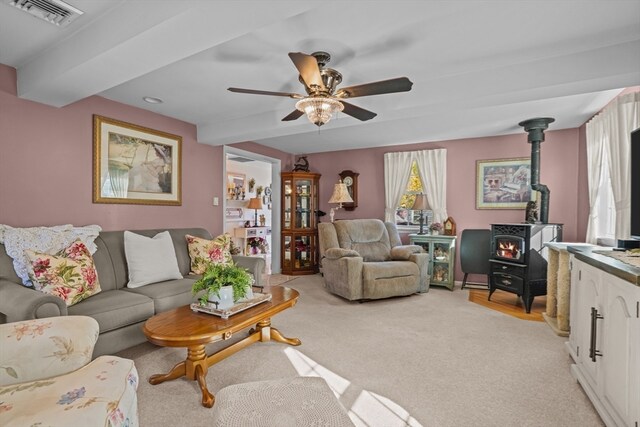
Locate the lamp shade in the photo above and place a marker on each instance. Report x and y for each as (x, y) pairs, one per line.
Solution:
(340, 194)
(255, 203)
(421, 203)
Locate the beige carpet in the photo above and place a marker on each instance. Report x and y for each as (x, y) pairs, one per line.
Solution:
(433, 359)
(276, 279)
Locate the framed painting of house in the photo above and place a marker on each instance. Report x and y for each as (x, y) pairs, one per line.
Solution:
(135, 165)
(503, 183)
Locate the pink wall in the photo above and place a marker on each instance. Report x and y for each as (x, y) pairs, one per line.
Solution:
(55, 186)
(558, 170)
(46, 167)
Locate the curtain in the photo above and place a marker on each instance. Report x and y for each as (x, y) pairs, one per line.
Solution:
(619, 119)
(595, 149)
(397, 169)
(432, 165)
(624, 117)
(119, 179)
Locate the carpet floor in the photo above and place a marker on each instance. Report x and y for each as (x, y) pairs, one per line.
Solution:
(431, 359)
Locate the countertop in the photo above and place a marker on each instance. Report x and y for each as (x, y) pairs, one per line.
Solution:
(610, 265)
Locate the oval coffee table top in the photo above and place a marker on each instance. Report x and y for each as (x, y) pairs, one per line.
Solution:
(182, 327)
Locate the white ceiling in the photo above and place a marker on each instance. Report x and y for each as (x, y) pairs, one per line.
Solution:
(478, 67)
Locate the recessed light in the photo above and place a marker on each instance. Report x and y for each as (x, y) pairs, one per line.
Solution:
(152, 100)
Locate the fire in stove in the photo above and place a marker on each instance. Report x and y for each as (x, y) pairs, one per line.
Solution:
(508, 249)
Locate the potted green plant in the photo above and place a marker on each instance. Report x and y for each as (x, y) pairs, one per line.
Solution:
(223, 285)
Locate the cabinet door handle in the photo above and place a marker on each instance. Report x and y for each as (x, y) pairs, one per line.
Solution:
(593, 352)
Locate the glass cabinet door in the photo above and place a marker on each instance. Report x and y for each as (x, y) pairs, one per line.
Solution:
(303, 203)
(303, 248)
(299, 222)
(286, 209)
(286, 260)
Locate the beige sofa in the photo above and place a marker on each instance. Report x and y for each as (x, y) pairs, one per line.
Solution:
(120, 311)
(364, 259)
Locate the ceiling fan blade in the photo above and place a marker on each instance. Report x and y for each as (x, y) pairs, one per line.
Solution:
(294, 115)
(265, 92)
(357, 112)
(307, 66)
(400, 84)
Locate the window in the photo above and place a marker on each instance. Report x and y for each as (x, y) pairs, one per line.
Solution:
(404, 214)
(606, 207)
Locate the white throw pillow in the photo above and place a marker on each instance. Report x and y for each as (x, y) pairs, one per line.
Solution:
(150, 260)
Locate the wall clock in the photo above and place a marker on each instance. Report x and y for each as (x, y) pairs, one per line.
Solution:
(350, 179)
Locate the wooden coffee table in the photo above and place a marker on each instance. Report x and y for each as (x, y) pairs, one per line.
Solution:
(181, 327)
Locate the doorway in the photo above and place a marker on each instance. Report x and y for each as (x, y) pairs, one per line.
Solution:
(247, 176)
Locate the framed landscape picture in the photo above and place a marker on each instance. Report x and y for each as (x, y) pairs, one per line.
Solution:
(503, 183)
(135, 165)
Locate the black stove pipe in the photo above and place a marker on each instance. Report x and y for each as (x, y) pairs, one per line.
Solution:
(535, 128)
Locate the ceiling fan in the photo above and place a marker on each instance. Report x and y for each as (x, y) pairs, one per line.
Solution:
(323, 99)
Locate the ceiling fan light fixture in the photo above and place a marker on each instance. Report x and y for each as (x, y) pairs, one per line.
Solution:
(319, 110)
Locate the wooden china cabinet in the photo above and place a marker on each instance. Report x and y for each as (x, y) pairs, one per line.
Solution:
(299, 223)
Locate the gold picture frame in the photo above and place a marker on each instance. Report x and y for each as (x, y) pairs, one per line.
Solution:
(135, 165)
(503, 183)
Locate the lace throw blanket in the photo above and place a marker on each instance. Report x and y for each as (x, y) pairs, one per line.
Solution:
(48, 240)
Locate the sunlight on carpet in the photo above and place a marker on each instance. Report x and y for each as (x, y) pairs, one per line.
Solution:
(368, 409)
(511, 304)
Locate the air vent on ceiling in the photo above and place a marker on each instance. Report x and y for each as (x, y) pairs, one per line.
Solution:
(55, 12)
(240, 159)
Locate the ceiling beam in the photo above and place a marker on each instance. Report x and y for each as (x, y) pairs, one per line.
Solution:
(134, 39)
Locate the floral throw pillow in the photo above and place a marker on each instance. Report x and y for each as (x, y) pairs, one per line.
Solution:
(204, 252)
(70, 274)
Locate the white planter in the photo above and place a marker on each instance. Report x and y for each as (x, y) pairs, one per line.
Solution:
(226, 297)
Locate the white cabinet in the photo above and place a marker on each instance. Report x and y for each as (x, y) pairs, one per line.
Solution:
(605, 342)
(621, 363)
(249, 233)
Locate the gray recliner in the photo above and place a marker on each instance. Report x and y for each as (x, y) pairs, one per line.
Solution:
(365, 259)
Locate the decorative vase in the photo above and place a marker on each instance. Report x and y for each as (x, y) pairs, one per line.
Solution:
(225, 300)
(434, 232)
(254, 250)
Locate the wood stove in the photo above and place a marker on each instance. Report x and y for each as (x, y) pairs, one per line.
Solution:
(519, 259)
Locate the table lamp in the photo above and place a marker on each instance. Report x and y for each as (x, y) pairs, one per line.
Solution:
(340, 195)
(421, 204)
(255, 203)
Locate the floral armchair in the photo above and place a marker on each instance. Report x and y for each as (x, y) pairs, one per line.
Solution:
(46, 375)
